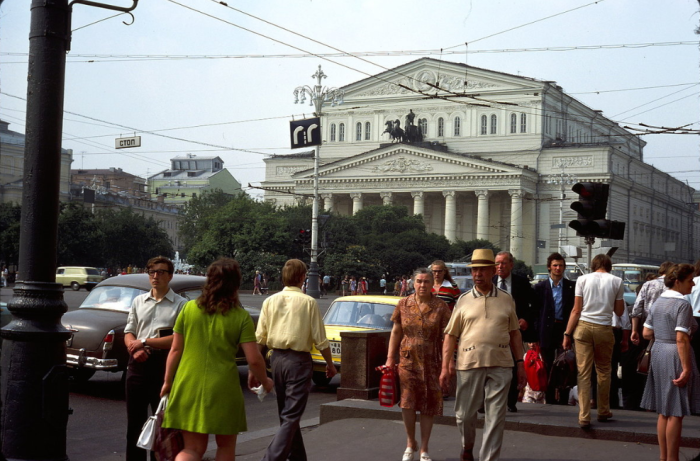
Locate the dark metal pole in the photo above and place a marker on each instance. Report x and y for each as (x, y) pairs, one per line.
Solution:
(34, 382)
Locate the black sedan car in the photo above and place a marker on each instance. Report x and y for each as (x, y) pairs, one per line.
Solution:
(97, 326)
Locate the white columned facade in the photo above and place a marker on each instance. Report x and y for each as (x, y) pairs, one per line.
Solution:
(418, 202)
(450, 215)
(482, 214)
(387, 198)
(356, 202)
(327, 201)
(516, 222)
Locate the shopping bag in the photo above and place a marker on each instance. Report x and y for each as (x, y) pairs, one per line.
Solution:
(388, 387)
(645, 359)
(168, 442)
(148, 433)
(535, 369)
(564, 371)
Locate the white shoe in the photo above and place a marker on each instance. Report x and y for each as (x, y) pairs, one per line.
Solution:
(408, 454)
(425, 457)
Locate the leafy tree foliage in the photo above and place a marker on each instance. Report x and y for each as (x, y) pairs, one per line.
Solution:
(461, 251)
(79, 237)
(9, 233)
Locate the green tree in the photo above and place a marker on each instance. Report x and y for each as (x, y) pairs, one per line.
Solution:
(79, 237)
(461, 251)
(10, 215)
(131, 238)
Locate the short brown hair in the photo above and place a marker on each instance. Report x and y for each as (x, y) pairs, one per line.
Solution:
(555, 257)
(665, 266)
(678, 272)
(601, 262)
(160, 260)
(220, 293)
(293, 272)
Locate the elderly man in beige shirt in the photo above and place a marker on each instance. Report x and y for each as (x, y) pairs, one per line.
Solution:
(290, 324)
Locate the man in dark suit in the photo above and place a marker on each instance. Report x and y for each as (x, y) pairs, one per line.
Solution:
(555, 296)
(525, 308)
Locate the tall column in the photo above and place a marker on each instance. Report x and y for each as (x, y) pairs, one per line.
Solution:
(356, 202)
(418, 202)
(387, 198)
(516, 222)
(450, 215)
(327, 201)
(482, 214)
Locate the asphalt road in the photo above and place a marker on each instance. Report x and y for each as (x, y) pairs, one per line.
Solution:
(97, 427)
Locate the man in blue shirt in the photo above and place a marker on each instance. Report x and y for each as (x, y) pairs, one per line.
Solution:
(555, 297)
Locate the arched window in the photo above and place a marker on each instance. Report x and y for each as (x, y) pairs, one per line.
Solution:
(523, 123)
(441, 127)
(494, 124)
(458, 126)
(484, 124)
(423, 125)
(332, 132)
(341, 132)
(367, 131)
(358, 131)
(513, 123)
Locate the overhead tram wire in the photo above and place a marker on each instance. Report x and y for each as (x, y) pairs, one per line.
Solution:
(94, 58)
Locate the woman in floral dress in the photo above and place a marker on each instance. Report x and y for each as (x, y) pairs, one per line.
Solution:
(419, 322)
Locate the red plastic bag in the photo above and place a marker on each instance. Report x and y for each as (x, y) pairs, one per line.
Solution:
(535, 369)
(388, 387)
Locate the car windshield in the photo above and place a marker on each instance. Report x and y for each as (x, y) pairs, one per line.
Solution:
(360, 314)
(112, 298)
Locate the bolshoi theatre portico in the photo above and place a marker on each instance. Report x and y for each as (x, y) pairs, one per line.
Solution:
(494, 152)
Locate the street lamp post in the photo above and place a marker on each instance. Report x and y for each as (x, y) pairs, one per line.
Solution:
(318, 95)
(563, 179)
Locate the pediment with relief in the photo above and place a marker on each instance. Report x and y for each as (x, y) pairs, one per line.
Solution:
(403, 160)
(425, 74)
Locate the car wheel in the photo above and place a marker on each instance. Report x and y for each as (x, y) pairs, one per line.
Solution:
(320, 379)
(88, 287)
(81, 374)
(75, 286)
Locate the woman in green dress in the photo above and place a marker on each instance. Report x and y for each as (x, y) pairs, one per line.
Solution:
(201, 375)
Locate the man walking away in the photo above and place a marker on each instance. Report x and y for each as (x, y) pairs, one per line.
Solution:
(290, 324)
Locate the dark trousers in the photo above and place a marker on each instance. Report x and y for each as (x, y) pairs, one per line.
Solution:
(144, 381)
(633, 383)
(291, 372)
(549, 354)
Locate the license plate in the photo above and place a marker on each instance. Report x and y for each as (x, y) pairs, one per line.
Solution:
(335, 348)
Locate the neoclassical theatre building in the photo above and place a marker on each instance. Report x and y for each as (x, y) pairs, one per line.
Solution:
(498, 153)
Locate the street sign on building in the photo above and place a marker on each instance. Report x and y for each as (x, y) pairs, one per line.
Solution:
(305, 133)
(123, 143)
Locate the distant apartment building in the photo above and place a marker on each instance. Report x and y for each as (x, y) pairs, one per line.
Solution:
(111, 179)
(189, 176)
(12, 166)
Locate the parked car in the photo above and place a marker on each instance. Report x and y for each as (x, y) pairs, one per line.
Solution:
(97, 326)
(352, 313)
(78, 277)
(464, 282)
(539, 277)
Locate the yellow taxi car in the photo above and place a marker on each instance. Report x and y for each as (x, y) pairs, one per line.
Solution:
(352, 313)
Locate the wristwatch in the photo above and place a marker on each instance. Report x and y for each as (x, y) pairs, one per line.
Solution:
(143, 341)
(568, 334)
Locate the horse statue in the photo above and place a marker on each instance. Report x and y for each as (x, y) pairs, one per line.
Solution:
(394, 130)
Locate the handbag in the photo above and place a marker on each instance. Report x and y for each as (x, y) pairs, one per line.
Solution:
(645, 360)
(388, 387)
(147, 437)
(535, 369)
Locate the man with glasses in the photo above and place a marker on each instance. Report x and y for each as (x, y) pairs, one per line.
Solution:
(148, 335)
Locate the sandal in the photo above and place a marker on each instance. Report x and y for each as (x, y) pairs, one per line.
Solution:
(425, 457)
(408, 454)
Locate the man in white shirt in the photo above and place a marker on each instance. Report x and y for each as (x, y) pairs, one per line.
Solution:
(598, 295)
(148, 336)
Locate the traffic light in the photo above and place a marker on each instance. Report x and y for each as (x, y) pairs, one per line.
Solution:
(591, 207)
(304, 236)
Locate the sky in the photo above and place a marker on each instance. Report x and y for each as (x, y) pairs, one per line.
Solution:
(213, 78)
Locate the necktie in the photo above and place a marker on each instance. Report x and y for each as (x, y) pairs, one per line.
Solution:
(503, 285)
